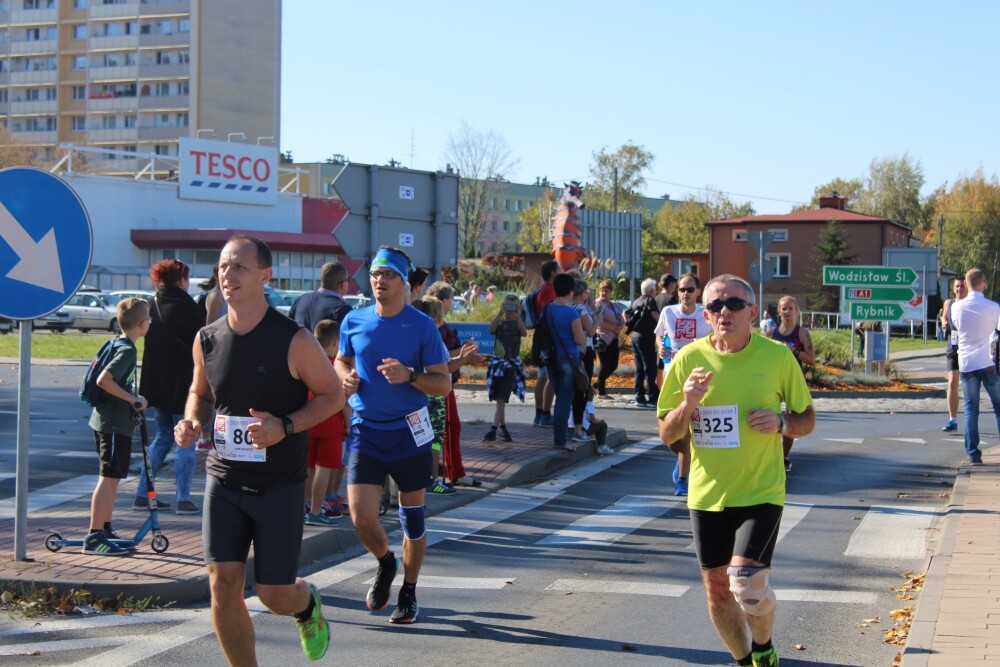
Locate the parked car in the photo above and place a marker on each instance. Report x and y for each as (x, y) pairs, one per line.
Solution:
(6, 325)
(357, 300)
(94, 310)
(126, 293)
(58, 321)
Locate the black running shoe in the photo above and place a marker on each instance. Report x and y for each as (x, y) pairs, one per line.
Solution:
(505, 434)
(378, 594)
(406, 609)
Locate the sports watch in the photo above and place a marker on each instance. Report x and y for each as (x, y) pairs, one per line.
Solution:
(289, 426)
(413, 375)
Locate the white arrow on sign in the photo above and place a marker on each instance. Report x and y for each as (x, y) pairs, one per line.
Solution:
(39, 263)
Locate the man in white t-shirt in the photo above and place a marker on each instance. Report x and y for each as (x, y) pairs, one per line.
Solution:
(975, 317)
(682, 323)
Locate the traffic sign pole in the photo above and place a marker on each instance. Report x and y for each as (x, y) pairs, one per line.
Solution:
(23, 431)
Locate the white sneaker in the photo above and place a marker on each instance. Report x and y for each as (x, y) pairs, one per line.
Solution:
(604, 450)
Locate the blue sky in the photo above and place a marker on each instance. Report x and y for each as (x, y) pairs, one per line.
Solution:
(763, 100)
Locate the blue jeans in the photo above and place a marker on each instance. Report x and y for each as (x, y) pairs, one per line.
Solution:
(644, 351)
(163, 440)
(971, 381)
(561, 377)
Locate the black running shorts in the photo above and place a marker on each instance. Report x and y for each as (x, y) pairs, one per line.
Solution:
(115, 453)
(750, 532)
(271, 519)
(951, 360)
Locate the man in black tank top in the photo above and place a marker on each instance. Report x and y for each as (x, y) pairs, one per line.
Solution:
(255, 368)
(961, 291)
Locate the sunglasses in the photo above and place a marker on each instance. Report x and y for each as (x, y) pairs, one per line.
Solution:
(686, 290)
(733, 303)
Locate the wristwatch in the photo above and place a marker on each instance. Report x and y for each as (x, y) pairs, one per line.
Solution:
(413, 375)
(781, 423)
(289, 426)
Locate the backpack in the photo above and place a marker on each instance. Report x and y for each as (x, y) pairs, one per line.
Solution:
(529, 314)
(542, 345)
(90, 393)
(633, 317)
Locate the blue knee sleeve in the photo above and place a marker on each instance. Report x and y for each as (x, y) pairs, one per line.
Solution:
(412, 521)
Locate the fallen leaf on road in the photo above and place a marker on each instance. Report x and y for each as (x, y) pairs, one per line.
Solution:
(800, 647)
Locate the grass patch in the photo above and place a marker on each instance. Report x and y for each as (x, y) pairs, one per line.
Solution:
(28, 601)
(69, 345)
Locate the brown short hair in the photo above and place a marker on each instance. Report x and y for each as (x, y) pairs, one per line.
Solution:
(326, 332)
(131, 312)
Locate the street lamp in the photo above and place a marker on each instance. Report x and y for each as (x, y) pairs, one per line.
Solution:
(260, 139)
(197, 133)
(241, 135)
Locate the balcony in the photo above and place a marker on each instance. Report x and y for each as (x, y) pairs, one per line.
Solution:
(113, 11)
(36, 46)
(33, 16)
(164, 103)
(121, 73)
(130, 134)
(173, 71)
(159, 134)
(33, 76)
(180, 40)
(33, 108)
(113, 42)
(165, 8)
(111, 103)
(36, 138)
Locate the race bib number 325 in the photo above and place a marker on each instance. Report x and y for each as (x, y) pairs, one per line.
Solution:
(233, 442)
(716, 426)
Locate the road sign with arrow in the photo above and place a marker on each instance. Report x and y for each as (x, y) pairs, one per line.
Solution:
(46, 243)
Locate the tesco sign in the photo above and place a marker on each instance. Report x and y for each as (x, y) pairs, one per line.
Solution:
(230, 172)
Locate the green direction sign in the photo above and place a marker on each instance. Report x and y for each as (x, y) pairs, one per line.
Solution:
(879, 293)
(869, 276)
(876, 311)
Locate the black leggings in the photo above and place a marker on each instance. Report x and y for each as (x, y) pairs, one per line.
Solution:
(579, 398)
(609, 364)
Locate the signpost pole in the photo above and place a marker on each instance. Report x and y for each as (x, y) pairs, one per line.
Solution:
(23, 432)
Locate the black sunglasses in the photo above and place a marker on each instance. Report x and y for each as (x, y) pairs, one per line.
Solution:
(733, 303)
(687, 290)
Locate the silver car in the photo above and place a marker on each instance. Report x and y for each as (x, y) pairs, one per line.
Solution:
(93, 310)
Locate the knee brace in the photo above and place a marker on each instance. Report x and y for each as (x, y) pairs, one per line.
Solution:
(412, 521)
(751, 588)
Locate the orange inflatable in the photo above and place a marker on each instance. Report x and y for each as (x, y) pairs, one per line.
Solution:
(566, 240)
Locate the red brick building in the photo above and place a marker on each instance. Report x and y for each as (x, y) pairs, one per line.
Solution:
(795, 238)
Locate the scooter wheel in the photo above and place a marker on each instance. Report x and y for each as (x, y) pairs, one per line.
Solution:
(160, 543)
(383, 507)
(52, 542)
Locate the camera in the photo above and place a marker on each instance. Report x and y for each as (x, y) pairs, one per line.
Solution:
(510, 307)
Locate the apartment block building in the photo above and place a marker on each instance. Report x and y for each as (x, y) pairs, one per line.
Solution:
(136, 75)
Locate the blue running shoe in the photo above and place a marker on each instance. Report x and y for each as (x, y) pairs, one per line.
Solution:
(681, 487)
(951, 426)
(677, 471)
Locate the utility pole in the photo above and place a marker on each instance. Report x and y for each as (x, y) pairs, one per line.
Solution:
(614, 200)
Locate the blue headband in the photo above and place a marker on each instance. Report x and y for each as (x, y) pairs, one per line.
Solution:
(386, 258)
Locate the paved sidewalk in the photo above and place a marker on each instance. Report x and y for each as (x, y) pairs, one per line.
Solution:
(178, 574)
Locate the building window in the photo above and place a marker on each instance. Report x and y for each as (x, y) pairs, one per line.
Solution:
(183, 87)
(80, 32)
(740, 235)
(182, 119)
(32, 34)
(161, 89)
(681, 266)
(782, 264)
(493, 203)
(184, 25)
(80, 63)
(779, 235)
(50, 94)
(506, 204)
(184, 56)
(79, 124)
(79, 4)
(506, 225)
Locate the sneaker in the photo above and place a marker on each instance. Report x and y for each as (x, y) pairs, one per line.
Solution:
(951, 426)
(640, 403)
(320, 520)
(545, 421)
(333, 510)
(491, 435)
(536, 420)
(649, 405)
(98, 544)
(337, 499)
(315, 632)
(677, 471)
(124, 542)
(788, 465)
(768, 658)
(439, 488)
(976, 462)
(505, 434)
(142, 504)
(406, 609)
(681, 487)
(378, 594)
(580, 437)
(186, 507)
(604, 450)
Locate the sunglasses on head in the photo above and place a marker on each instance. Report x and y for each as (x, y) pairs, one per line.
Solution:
(686, 290)
(733, 303)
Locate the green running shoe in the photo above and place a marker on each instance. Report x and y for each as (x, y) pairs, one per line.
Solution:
(768, 658)
(314, 633)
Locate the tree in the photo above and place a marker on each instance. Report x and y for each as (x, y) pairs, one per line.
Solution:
(831, 249)
(484, 162)
(14, 153)
(850, 189)
(892, 190)
(971, 233)
(618, 177)
(536, 223)
(286, 158)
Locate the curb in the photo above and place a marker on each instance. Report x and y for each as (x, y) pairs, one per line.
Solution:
(918, 651)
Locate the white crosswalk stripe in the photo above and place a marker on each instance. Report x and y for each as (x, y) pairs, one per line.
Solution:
(614, 522)
(619, 587)
(50, 496)
(888, 531)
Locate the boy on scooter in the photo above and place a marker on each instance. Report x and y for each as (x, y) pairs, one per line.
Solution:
(112, 423)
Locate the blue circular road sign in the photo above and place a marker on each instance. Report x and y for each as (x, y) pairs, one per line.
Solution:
(46, 243)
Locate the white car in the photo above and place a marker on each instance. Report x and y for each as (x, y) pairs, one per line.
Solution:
(93, 310)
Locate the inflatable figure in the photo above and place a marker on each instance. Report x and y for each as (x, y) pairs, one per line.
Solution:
(566, 241)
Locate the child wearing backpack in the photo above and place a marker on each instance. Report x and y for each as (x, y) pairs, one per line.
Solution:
(112, 421)
(505, 374)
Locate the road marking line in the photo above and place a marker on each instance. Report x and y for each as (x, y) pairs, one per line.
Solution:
(44, 648)
(915, 441)
(845, 597)
(613, 522)
(853, 441)
(93, 621)
(619, 587)
(469, 583)
(892, 532)
(50, 496)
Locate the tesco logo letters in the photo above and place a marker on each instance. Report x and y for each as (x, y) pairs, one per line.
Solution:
(230, 172)
(229, 166)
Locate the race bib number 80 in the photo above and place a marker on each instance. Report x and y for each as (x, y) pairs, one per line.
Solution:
(233, 443)
(716, 426)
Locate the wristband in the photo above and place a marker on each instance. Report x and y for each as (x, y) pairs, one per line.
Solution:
(781, 423)
(413, 375)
